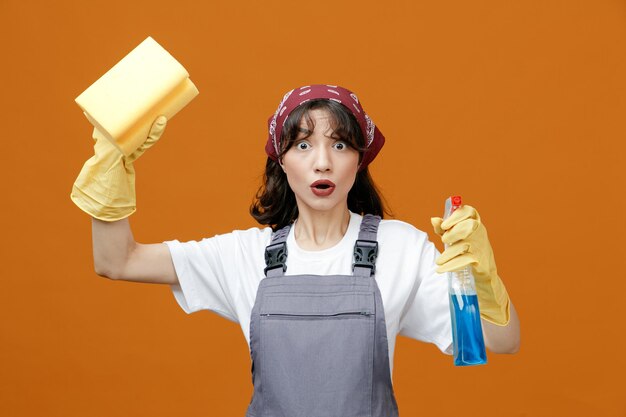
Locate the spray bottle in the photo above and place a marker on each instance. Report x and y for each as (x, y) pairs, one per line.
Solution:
(467, 333)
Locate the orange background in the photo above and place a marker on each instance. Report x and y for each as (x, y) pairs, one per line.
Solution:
(517, 106)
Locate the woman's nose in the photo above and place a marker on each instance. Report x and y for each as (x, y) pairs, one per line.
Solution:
(322, 160)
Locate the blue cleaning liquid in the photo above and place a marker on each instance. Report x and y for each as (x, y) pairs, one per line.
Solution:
(467, 335)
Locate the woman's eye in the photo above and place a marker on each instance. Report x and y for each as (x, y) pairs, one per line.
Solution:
(302, 145)
(340, 146)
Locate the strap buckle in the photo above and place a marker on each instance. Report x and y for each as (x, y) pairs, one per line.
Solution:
(276, 257)
(365, 253)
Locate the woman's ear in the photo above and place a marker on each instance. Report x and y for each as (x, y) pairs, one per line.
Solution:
(280, 162)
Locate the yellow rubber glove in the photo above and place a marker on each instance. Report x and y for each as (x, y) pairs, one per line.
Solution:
(105, 187)
(469, 245)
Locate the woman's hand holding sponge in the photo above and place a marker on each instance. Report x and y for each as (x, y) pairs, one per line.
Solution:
(105, 187)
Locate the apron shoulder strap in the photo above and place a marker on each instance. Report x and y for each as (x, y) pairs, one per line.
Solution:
(276, 253)
(366, 247)
(365, 250)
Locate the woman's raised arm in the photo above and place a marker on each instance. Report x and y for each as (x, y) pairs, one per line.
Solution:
(116, 255)
(105, 189)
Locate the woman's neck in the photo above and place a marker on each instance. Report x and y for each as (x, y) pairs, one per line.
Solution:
(318, 230)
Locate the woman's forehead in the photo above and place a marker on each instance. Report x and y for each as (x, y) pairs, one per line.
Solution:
(316, 116)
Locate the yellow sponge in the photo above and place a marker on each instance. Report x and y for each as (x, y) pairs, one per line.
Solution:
(124, 102)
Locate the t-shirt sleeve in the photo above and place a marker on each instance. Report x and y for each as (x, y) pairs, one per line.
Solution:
(428, 315)
(202, 282)
(210, 271)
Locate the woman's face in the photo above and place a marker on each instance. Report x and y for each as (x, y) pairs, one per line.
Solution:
(320, 168)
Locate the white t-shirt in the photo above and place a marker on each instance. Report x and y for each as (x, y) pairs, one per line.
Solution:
(222, 274)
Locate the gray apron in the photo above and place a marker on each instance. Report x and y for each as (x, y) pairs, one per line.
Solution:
(319, 343)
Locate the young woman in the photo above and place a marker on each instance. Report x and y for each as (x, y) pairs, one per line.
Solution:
(322, 292)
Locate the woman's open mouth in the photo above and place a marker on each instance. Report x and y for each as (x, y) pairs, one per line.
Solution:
(323, 188)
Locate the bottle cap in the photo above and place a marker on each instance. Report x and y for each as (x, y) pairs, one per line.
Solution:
(456, 203)
(452, 203)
